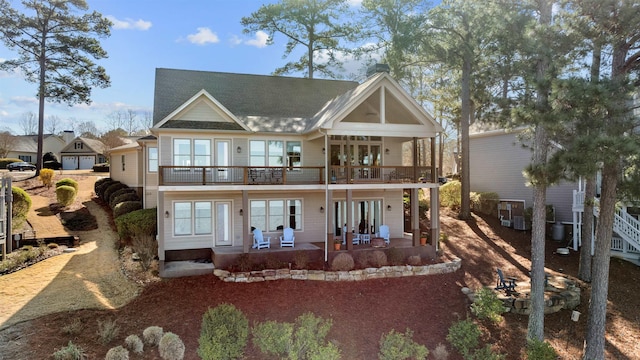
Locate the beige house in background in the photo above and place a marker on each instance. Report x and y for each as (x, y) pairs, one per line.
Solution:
(82, 153)
(26, 147)
(134, 165)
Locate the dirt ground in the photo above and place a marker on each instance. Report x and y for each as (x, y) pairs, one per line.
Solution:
(361, 311)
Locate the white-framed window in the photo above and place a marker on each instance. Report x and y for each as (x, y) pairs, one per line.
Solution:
(192, 152)
(276, 214)
(192, 218)
(153, 159)
(275, 153)
(26, 158)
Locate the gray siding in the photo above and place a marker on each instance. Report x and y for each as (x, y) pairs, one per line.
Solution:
(497, 162)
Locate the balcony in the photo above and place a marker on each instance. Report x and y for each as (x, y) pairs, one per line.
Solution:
(305, 175)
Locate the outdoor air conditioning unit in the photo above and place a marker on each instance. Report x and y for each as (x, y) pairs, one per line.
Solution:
(519, 223)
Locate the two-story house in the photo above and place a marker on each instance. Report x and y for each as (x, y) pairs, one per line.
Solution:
(235, 152)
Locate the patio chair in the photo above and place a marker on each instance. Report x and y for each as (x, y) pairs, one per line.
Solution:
(287, 238)
(355, 240)
(260, 241)
(384, 233)
(508, 284)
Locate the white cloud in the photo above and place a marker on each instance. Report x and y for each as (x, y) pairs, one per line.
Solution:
(129, 24)
(235, 40)
(259, 41)
(24, 100)
(203, 36)
(354, 3)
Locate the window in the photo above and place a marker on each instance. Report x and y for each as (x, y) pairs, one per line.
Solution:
(153, 159)
(77, 145)
(185, 154)
(275, 153)
(182, 152)
(122, 160)
(26, 158)
(192, 218)
(201, 152)
(274, 215)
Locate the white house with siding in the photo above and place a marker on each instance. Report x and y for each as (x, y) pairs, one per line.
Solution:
(234, 152)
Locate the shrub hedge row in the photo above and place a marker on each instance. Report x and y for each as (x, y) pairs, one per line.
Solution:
(121, 198)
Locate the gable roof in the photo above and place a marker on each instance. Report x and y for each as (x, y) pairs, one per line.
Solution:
(94, 145)
(251, 98)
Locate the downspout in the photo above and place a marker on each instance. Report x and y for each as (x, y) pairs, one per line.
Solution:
(327, 171)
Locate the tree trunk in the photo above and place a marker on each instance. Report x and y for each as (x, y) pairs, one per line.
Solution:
(584, 270)
(41, 98)
(594, 340)
(465, 201)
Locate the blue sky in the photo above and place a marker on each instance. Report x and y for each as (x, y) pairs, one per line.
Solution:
(149, 34)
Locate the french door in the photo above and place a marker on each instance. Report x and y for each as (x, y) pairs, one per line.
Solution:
(223, 159)
(366, 216)
(222, 223)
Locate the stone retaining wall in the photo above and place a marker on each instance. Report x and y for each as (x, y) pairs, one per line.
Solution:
(353, 275)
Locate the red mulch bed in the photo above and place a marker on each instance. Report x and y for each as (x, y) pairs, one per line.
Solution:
(363, 311)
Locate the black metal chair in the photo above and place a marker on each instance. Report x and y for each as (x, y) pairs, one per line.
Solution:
(508, 284)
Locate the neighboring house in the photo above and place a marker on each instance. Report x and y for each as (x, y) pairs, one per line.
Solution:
(26, 147)
(136, 165)
(497, 161)
(237, 151)
(82, 153)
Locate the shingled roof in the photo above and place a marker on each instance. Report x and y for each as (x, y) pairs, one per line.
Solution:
(248, 97)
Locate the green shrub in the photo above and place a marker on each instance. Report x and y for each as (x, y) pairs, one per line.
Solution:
(484, 202)
(486, 353)
(224, 333)
(450, 194)
(75, 327)
(67, 182)
(464, 336)
(146, 246)
(171, 347)
(99, 183)
(272, 337)
(487, 305)
(103, 186)
(46, 177)
(70, 352)
(133, 343)
(117, 353)
(20, 207)
(540, 350)
(395, 256)
(152, 335)
(107, 331)
(423, 207)
(106, 194)
(122, 198)
(65, 195)
(125, 208)
(342, 262)
(6, 161)
(117, 193)
(398, 346)
(305, 339)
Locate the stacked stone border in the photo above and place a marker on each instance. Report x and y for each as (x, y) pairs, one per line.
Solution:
(353, 275)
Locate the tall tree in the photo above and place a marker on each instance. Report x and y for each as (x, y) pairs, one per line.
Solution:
(55, 47)
(53, 124)
(7, 142)
(315, 25)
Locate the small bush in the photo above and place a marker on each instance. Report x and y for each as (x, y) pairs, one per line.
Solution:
(133, 343)
(301, 259)
(171, 347)
(451, 194)
(20, 206)
(224, 333)
(65, 195)
(99, 183)
(484, 202)
(272, 337)
(115, 186)
(113, 199)
(243, 262)
(67, 182)
(378, 258)
(117, 353)
(146, 246)
(440, 352)
(107, 331)
(362, 259)
(423, 207)
(100, 189)
(395, 256)
(53, 165)
(486, 353)
(74, 327)
(464, 336)
(46, 177)
(143, 221)
(126, 207)
(414, 260)
(540, 350)
(398, 346)
(152, 335)
(487, 305)
(342, 262)
(70, 352)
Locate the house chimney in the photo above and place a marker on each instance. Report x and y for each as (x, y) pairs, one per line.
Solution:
(68, 136)
(377, 68)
